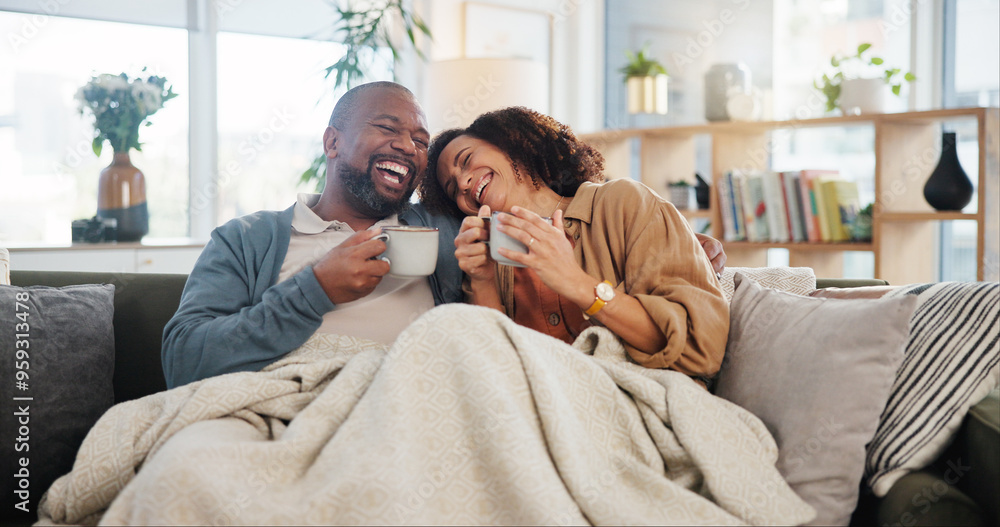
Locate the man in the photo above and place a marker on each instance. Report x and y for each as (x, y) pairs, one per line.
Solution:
(267, 281)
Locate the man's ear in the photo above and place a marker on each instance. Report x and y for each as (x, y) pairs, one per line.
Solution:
(330, 141)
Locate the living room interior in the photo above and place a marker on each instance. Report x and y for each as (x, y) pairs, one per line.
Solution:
(741, 96)
(253, 99)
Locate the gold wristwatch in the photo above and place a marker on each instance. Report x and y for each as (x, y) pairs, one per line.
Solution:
(604, 292)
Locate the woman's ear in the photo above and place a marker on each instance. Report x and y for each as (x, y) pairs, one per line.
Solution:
(330, 137)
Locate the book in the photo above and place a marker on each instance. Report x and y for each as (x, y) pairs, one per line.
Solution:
(727, 211)
(755, 208)
(737, 181)
(817, 229)
(793, 204)
(842, 206)
(777, 214)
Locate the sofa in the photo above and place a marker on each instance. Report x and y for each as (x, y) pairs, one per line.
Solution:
(932, 495)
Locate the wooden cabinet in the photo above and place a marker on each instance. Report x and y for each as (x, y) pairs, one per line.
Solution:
(906, 149)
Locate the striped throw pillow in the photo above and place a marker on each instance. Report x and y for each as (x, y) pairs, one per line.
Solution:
(952, 361)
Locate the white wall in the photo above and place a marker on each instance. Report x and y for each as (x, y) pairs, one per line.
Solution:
(577, 76)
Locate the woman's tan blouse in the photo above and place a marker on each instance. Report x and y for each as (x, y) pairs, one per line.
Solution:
(626, 234)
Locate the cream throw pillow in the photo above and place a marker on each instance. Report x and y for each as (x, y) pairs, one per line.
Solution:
(795, 280)
(4, 267)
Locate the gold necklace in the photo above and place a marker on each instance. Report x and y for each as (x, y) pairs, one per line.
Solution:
(557, 205)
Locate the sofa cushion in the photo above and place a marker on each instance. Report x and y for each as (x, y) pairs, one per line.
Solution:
(4, 266)
(952, 361)
(58, 346)
(798, 280)
(980, 441)
(817, 372)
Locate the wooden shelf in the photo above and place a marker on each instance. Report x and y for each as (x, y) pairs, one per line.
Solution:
(805, 246)
(927, 216)
(907, 146)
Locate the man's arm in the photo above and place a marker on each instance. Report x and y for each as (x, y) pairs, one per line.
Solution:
(225, 324)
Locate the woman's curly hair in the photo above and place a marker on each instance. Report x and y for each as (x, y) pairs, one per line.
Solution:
(537, 145)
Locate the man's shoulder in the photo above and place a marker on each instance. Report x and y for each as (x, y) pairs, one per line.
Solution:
(259, 222)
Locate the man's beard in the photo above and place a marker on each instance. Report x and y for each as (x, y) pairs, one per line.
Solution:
(360, 185)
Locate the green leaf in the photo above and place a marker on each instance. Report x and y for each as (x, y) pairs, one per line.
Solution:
(97, 145)
(877, 61)
(863, 47)
(910, 77)
(896, 88)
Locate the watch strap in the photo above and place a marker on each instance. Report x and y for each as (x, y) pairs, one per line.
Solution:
(598, 304)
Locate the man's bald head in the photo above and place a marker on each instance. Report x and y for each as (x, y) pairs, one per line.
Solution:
(346, 107)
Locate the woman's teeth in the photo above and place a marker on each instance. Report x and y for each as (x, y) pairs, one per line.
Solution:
(482, 185)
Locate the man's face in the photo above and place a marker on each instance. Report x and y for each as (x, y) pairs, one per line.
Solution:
(382, 153)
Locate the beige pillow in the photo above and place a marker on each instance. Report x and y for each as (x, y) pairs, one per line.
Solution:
(817, 372)
(796, 280)
(4, 267)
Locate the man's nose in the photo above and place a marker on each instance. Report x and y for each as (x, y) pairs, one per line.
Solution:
(405, 143)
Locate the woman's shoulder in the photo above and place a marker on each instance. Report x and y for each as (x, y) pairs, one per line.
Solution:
(617, 190)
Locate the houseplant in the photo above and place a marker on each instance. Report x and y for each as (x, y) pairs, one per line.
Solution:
(646, 83)
(857, 81)
(363, 32)
(120, 105)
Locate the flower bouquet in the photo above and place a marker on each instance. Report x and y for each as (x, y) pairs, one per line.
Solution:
(120, 105)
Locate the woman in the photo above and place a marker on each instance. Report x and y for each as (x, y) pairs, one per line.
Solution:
(666, 304)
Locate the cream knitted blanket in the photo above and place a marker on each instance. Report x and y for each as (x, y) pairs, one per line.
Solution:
(467, 419)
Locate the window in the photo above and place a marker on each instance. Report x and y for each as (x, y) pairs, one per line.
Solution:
(259, 70)
(272, 114)
(48, 171)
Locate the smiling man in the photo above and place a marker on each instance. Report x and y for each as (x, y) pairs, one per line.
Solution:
(267, 281)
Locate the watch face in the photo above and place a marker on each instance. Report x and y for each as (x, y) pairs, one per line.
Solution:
(605, 292)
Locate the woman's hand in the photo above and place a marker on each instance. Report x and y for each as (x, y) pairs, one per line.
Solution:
(550, 253)
(471, 251)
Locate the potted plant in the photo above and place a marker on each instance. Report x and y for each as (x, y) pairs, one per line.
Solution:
(857, 82)
(363, 31)
(646, 83)
(861, 227)
(682, 195)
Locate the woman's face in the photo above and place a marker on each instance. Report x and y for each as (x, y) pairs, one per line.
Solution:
(474, 173)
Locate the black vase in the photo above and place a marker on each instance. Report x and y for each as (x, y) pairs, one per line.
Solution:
(948, 188)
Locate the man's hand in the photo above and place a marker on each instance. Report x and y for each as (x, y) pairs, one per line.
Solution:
(713, 249)
(349, 271)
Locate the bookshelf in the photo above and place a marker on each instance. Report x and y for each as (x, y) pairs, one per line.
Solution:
(906, 148)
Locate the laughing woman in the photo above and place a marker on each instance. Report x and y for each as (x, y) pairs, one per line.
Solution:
(615, 253)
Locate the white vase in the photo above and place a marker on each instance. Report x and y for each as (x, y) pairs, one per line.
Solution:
(858, 96)
(647, 94)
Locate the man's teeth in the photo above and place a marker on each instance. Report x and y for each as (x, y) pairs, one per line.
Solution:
(393, 167)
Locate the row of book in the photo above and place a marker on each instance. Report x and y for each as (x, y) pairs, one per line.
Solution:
(793, 206)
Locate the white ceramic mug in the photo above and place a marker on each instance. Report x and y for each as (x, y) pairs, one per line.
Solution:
(410, 250)
(499, 239)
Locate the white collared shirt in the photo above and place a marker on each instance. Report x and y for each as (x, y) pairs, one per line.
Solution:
(380, 316)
